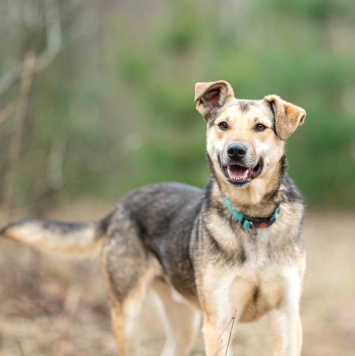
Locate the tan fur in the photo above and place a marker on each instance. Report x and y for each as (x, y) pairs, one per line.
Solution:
(241, 129)
(254, 290)
(126, 316)
(202, 88)
(185, 246)
(227, 290)
(288, 116)
(175, 310)
(86, 242)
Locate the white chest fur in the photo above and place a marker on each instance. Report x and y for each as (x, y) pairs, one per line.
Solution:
(251, 292)
(270, 277)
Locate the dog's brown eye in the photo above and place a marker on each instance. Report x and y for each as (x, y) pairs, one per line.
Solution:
(223, 125)
(259, 127)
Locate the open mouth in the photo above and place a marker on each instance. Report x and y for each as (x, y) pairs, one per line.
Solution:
(240, 175)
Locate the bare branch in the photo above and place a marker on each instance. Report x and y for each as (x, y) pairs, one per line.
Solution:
(230, 333)
(54, 43)
(17, 131)
(54, 36)
(8, 110)
(10, 77)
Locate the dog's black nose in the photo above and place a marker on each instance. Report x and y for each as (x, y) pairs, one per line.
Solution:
(236, 151)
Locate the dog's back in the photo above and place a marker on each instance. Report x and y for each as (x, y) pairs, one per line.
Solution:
(231, 250)
(154, 210)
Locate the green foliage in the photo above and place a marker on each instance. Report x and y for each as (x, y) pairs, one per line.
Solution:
(287, 48)
(108, 116)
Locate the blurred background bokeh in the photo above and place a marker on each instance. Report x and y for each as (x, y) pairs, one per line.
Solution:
(96, 99)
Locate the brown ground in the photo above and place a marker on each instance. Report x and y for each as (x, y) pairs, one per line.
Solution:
(55, 306)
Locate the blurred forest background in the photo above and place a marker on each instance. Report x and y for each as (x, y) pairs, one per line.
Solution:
(96, 97)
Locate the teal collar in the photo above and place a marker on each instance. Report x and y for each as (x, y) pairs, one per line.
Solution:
(249, 222)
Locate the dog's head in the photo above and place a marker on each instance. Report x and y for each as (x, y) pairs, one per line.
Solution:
(245, 138)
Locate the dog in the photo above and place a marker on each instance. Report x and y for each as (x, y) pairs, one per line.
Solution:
(232, 251)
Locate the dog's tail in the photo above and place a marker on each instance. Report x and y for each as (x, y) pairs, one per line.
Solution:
(71, 239)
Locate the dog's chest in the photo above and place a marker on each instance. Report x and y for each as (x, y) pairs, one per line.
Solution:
(251, 291)
(251, 273)
(255, 292)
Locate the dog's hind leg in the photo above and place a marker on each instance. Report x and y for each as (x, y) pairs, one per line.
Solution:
(125, 324)
(128, 270)
(181, 321)
(126, 316)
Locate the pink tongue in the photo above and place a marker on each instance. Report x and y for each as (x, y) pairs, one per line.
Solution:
(237, 172)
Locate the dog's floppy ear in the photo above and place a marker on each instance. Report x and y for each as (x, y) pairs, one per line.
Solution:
(212, 95)
(287, 116)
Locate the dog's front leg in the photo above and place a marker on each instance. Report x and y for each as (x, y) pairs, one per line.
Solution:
(285, 319)
(287, 332)
(218, 336)
(223, 295)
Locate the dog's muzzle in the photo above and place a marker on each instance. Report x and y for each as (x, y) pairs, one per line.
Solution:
(239, 169)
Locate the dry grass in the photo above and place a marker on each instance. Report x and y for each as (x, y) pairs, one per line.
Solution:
(55, 306)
